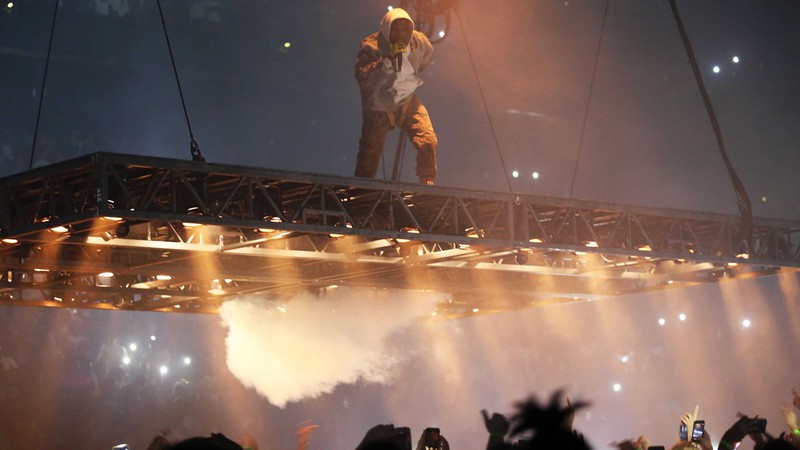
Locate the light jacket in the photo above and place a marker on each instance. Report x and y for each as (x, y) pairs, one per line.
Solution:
(376, 85)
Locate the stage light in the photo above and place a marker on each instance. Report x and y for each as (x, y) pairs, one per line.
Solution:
(682, 317)
(126, 360)
(735, 59)
(441, 34)
(535, 175)
(152, 338)
(187, 360)
(123, 230)
(193, 211)
(475, 310)
(340, 235)
(716, 69)
(617, 387)
(410, 230)
(473, 233)
(746, 323)
(217, 288)
(60, 229)
(287, 44)
(515, 174)
(133, 347)
(163, 370)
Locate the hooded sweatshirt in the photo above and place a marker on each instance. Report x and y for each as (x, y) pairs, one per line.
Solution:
(383, 87)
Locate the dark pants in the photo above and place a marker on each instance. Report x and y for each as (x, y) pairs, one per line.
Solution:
(414, 120)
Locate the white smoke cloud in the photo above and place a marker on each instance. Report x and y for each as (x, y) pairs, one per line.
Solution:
(297, 349)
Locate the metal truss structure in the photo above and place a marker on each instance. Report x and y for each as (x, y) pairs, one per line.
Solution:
(130, 232)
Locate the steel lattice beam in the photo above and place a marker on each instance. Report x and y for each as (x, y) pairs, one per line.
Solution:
(166, 233)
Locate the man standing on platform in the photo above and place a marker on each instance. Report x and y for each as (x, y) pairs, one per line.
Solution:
(387, 70)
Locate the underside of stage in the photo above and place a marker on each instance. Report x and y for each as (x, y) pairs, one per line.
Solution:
(127, 232)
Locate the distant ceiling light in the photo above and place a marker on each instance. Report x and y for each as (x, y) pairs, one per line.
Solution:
(764, 199)
(282, 309)
(10, 5)
(515, 174)
(133, 346)
(187, 360)
(624, 358)
(617, 387)
(732, 264)
(735, 59)
(716, 69)
(591, 244)
(441, 34)
(391, 8)
(177, 306)
(682, 317)
(126, 360)
(287, 44)
(746, 323)
(644, 248)
(106, 274)
(662, 321)
(163, 277)
(113, 218)
(10, 241)
(163, 370)
(475, 310)
(743, 255)
(333, 286)
(535, 175)
(670, 281)
(535, 241)
(152, 338)
(58, 299)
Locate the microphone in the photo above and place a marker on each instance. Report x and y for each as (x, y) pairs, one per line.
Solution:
(397, 62)
(398, 48)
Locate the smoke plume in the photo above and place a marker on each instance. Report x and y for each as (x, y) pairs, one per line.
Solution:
(304, 347)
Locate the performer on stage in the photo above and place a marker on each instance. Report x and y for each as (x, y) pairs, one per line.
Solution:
(387, 70)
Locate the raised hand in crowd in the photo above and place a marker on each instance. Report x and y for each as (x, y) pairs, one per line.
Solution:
(745, 426)
(641, 443)
(497, 426)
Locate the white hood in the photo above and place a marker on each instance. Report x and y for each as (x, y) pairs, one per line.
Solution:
(391, 16)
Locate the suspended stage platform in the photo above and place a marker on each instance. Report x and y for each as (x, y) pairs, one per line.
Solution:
(127, 232)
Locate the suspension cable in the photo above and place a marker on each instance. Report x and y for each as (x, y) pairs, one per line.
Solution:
(483, 97)
(193, 148)
(589, 100)
(742, 199)
(44, 83)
